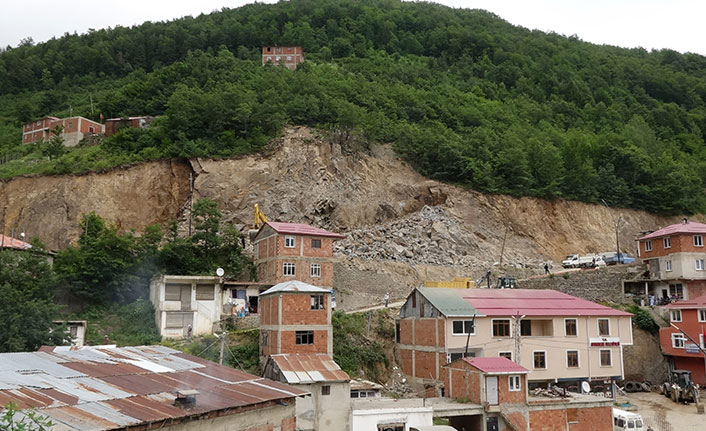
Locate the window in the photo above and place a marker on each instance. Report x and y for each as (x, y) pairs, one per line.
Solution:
(265, 337)
(391, 427)
(73, 331)
(570, 327)
(702, 341)
(326, 390)
(289, 242)
(91, 129)
(172, 292)
(572, 358)
(456, 356)
(676, 290)
(702, 315)
(648, 245)
(699, 264)
(540, 360)
(463, 327)
(277, 58)
(513, 383)
(501, 328)
(305, 337)
(525, 328)
(675, 315)
(204, 292)
(606, 358)
(667, 242)
(289, 58)
(603, 327)
(288, 269)
(315, 270)
(317, 302)
(315, 243)
(414, 299)
(678, 340)
(572, 416)
(505, 355)
(698, 241)
(39, 123)
(668, 265)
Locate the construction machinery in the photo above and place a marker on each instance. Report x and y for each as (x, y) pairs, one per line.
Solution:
(260, 217)
(680, 388)
(506, 282)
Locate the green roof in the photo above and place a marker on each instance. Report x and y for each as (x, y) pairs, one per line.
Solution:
(448, 301)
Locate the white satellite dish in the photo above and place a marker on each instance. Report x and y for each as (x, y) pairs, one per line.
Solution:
(585, 387)
(220, 272)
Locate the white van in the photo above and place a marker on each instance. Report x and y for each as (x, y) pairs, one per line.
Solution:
(627, 421)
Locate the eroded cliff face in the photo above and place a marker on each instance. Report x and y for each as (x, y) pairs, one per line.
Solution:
(50, 207)
(379, 200)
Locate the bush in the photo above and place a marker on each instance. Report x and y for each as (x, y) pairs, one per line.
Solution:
(643, 319)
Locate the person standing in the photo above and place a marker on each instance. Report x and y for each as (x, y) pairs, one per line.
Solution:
(387, 299)
(546, 268)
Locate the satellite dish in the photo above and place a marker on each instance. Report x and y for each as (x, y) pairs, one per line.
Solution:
(220, 272)
(585, 387)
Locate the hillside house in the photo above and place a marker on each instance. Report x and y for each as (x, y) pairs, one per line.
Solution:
(14, 243)
(75, 128)
(293, 251)
(559, 338)
(676, 260)
(112, 125)
(142, 388)
(682, 345)
(500, 386)
(195, 305)
(289, 56)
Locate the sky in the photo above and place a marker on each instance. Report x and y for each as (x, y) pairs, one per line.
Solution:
(651, 24)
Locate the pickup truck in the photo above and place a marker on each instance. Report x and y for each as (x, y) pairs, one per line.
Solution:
(612, 258)
(585, 261)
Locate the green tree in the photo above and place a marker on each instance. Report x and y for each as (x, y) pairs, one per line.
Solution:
(12, 420)
(55, 147)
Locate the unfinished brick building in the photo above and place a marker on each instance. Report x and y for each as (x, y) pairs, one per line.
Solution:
(294, 251)
(290, 56)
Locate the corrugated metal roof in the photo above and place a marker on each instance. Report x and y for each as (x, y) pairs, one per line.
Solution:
(10, 242)
(678, 228)
(295, 286)
(105, 387)
(698, 302)
(302, 229)
(496, 365)
(448, 302)
(308, 368)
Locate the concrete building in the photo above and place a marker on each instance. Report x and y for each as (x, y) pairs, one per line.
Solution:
(290, 56)
(142, 388)
(112, 125)
(197, 302)
(293, 251)
(75, 128)
(327, 409)
(76, 330)
(500, 387)
(558, 337)
(682, 345)
(295, 317)
(676, 260)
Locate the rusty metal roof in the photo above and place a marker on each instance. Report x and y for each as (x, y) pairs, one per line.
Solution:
(106, 387)
(303, 368)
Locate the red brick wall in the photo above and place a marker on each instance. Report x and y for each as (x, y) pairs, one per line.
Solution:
(505, 395)
(548, 420)
(679, 243)
(406, 361)
(425, 331)
(690, 325)
(461, 383)
(296, 310)
(268, 308)
(696, 287)
(289, 424)
(289, 344)
(326, 249)
(518, 420)
(283, 251)
(406, 331)
(425, 364)
(593, 419)
(271, 347)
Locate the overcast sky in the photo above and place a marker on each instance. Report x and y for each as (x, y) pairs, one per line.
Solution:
(675, 24)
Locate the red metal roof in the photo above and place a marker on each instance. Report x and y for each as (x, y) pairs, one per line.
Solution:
(9, 242)
(499, 365)
(531, 302)
(676, 229)
(105, 387)
(308, 368)
(698, 302)
(302, 229)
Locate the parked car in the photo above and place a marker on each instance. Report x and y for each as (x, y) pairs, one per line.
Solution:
(585, 261)
(613, 258)
(624, 420)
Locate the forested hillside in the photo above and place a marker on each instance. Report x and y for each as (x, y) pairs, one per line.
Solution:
(464, 96)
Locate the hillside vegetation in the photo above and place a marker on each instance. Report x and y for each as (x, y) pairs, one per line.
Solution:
(464, 96)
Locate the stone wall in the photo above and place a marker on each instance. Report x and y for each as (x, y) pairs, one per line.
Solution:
(597, 285)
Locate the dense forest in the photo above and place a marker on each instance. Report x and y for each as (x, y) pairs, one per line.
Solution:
(464, 96)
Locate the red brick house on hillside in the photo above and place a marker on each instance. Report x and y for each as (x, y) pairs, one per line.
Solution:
(676, 259)
(291, 56)
(690, 317)
(500, 386)
(294, 251)
(75, 128)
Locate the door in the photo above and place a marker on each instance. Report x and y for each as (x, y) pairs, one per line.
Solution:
(491, 389)
(186, 297)
(491, 423)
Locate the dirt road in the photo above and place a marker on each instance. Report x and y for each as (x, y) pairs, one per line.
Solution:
(658, 411)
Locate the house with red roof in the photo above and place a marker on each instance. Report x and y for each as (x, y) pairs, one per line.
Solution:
(10, 242)
(684, 341)
(294, 251)
(500, 386)
(676, 260)
(559, 338)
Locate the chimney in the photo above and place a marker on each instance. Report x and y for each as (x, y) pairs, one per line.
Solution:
(684, 220)
(186, 398)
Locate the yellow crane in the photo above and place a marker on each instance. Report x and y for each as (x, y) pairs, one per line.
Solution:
(260, 217)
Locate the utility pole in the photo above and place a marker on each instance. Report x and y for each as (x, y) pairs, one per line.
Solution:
(191, 200)
(516, 336)
(502, 250)
(223, 345)
(616, 223)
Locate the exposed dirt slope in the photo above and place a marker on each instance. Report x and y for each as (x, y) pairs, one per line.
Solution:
(403, 227)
